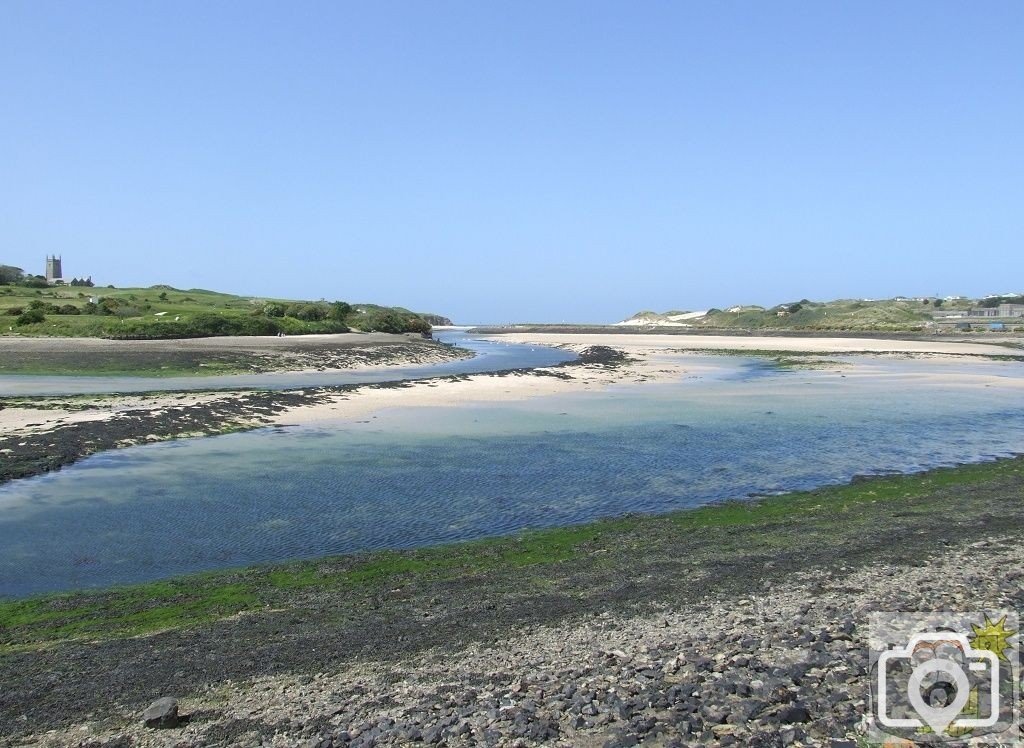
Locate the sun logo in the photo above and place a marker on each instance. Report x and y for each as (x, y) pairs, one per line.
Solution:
(992, 636)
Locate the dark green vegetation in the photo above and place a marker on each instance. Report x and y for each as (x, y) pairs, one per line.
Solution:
(162, 312)
(857, 516)
(68, 658)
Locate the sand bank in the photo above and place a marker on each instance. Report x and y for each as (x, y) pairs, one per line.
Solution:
(826, 345)
(77, 426)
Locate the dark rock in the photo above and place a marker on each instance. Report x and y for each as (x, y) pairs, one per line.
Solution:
(162, 713)
(794, 713)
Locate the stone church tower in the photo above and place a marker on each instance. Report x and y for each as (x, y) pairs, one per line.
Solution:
(53, 271)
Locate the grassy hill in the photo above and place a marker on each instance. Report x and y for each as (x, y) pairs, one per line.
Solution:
(895, 315)
(165, 312)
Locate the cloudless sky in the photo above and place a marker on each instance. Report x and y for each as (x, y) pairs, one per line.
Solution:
(514, 161)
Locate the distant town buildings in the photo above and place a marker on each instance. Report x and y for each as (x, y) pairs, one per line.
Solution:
(1003, 311)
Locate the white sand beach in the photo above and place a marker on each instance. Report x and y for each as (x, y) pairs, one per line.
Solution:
(653, 358)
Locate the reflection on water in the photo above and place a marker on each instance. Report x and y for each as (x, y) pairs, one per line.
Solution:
(411, 477)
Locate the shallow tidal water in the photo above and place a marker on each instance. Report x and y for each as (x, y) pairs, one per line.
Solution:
(488, 355)
(418, 476)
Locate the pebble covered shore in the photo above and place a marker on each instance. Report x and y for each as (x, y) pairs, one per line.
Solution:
(784, 667)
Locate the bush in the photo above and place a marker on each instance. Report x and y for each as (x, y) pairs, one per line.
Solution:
(68, 309)
(204, 325)
(30, 317)
(340, 310)
(392, 322)
(307, 312)
(14, 311)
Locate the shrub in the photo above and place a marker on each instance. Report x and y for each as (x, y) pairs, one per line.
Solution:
(14, 311)
(203, 325)
(392, 322)
(340, 310)
(68, 309)
(307, 312)
(30, 317)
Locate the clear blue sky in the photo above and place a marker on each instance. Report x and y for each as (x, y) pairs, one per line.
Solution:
(518, 160)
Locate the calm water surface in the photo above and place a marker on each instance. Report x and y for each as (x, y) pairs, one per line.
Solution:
(415, 476)
(489, 355)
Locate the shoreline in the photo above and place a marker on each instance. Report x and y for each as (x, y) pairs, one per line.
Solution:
(823, 343)
(1008, 337)
(521, 603)
(39, 434)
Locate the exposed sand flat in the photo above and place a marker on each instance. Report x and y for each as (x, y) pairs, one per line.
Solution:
(28, 423)
(647, 366)
(655, 358)
(630, 342)
(33, 416)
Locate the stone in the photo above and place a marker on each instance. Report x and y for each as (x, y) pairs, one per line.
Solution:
(162, 713)
(794, 713)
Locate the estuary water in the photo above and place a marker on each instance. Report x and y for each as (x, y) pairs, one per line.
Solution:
(489, 355)
(417, 476)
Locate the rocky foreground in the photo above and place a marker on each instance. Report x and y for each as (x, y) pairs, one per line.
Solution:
(786, 666)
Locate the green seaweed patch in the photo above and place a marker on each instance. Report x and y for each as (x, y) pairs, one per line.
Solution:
(121, 612)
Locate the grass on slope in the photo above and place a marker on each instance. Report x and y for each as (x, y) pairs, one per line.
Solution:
(892, 315)
(165, 312)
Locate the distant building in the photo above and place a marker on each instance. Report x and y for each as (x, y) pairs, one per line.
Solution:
(53, 270)
(1003, 310)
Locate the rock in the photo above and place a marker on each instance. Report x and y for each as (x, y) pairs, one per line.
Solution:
(794, 713)
(162, 713)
